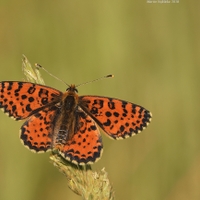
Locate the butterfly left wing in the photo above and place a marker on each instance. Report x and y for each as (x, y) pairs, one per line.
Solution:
(37, 132)
(119, 119)
(85, 146)
(22, 99)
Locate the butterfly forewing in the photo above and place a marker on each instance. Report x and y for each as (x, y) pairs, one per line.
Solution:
(118, 118)
(21, 99)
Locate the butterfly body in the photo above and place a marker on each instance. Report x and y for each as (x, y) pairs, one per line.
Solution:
(67, 122)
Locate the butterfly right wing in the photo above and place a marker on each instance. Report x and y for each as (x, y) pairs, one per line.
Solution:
(22, 99)
(119, 119)
(85, 146)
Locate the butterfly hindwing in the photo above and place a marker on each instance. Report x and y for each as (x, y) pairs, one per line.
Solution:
(85, 146)
(119, 119)
(37, 132)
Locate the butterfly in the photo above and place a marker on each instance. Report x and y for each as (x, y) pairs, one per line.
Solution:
(66, 122)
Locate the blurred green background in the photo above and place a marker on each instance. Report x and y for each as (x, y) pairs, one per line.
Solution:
(152, 49)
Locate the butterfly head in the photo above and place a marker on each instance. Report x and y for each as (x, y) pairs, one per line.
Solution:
(72, 88)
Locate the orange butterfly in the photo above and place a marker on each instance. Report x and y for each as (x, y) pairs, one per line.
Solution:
(67, 122)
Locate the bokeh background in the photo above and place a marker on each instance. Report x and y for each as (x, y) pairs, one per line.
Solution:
(153, 49)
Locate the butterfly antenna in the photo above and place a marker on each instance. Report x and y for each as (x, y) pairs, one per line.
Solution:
(107, 76)
(39, 66)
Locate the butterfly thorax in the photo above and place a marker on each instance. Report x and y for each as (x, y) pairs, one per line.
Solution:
(66, 121)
